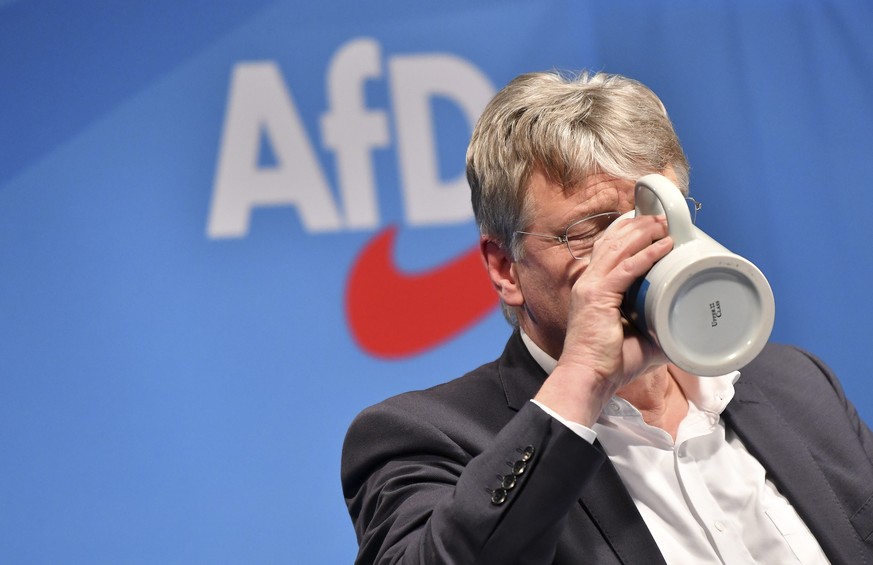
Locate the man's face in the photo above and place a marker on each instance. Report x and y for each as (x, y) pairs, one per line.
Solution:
(547, 272)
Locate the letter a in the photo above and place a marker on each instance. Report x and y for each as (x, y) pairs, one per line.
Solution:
(259, 102)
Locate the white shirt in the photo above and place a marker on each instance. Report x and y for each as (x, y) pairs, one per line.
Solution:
(704, 497)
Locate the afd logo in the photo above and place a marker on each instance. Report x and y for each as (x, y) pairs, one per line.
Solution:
(391, 313)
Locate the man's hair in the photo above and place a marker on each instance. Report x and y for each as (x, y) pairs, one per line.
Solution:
(569, 127)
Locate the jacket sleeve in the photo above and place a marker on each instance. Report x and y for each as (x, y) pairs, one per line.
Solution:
(417, 493)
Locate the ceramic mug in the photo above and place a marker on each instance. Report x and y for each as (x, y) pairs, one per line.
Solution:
(709, 310)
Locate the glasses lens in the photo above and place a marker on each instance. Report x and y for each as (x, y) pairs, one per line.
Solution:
(582, 234)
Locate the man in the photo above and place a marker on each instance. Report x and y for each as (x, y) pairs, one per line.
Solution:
(581, 443)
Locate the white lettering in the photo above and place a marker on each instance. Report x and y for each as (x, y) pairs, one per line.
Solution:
(351, 131)
(261, 110)
(259, 102)
(414, 79)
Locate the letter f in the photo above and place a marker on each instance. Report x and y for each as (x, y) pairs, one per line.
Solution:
(351, 131)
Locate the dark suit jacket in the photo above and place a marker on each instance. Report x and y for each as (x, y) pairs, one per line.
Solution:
(422, 471)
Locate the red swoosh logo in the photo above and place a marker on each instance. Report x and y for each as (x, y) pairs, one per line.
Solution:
(395, 314)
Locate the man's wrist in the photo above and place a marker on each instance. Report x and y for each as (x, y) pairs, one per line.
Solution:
(575, 394)
(584, 432)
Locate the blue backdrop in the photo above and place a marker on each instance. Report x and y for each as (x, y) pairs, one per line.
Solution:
(189, 190)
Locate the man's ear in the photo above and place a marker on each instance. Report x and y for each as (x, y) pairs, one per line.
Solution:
(502, 271)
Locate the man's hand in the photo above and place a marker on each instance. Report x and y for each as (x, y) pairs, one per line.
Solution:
(601, 351)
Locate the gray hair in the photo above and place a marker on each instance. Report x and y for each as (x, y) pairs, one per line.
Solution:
(569, 127)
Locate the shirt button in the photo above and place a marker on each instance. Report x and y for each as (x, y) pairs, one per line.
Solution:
(719, 525)
(614, 408)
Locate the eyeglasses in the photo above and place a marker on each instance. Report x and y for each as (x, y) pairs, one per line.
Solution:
(693, 207)
(580, 236)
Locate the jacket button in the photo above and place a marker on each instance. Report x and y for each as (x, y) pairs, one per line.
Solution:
(498, 496)
(519, 467)
(508, 482)
(527, 453)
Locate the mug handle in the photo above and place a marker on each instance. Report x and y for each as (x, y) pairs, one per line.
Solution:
(656, 194)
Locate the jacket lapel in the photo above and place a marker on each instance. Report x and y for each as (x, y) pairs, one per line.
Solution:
(792, 469)
(611, 508)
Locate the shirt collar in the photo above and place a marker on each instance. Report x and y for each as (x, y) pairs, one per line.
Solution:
(709, 394)
(546, 361)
